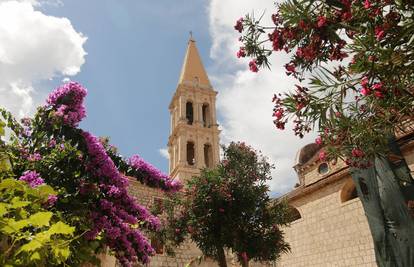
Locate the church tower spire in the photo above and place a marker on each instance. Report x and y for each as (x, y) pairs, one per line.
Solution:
(194, 138)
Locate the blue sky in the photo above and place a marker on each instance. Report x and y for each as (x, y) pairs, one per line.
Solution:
(135, 52)
(129, 55)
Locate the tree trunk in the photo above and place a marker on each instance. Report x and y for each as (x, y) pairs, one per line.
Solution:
(221, 257)
(391, 225)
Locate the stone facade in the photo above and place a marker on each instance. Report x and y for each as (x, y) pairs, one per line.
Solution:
(332, 229)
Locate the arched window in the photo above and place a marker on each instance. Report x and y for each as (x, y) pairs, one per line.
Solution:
(206, 115)
(189, 113)
(348, 191)
(190, 153)
(294, 214)
(208, 160)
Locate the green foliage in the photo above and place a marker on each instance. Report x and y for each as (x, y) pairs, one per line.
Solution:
(30, 235)
(354, 67)
(228, 207)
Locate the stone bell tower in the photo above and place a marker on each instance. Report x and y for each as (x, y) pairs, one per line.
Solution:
(194, 138)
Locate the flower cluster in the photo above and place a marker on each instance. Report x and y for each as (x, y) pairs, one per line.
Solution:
(239, 25)
(151, 176)
(118, 212)
(377, 89)
(67, 101)
(32, 178)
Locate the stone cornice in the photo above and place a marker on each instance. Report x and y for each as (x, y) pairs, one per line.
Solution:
(193, 88)
(213, 129)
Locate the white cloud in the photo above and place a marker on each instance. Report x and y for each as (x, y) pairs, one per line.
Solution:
(244, 99)
(164, 152)
(34, 47)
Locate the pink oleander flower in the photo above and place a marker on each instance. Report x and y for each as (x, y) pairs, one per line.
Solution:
(365, 91)
(357, 153)
(32, 178)
(367, 4)
(253, 66)
(377, 86)
(239, 25)
(321, 21)
(241, 52)
(379, 33)
(322, 155)
(290, 67)
(318, 140)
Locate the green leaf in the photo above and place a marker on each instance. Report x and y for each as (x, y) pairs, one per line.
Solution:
(35, 256)
(41, 218)
(2, 124)
(61, 228)
(31, 246)
(9, 183)
(13, 226)
(3, 209)
(17, 203)
(61, 253)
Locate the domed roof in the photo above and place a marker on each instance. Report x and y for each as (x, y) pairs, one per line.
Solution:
(306, 153)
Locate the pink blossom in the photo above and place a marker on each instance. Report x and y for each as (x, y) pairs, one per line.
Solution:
(253, 66)
(357, 153)
(318, 140)
(365, 91)
(51, 200)
(321, 21)
(241, 52)
(367, 4)
(379, 33)
(239, 25)
(35, 157)
(32, 178)
(322, 155)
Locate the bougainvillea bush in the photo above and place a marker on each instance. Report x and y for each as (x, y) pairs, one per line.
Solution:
(86, 184)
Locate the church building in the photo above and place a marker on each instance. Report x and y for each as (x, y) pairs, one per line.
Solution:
(329, 227)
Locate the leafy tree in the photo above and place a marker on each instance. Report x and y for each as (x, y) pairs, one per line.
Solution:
(228, 207)
(354, 66)
(64, 194)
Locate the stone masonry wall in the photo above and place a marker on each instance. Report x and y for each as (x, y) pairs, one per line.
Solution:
(185, 253)
(330, 233)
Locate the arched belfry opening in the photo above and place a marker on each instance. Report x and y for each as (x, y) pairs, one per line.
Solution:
(206, 115)
(348, 191)
(190, 153)
(189, 112)
(208, 156)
